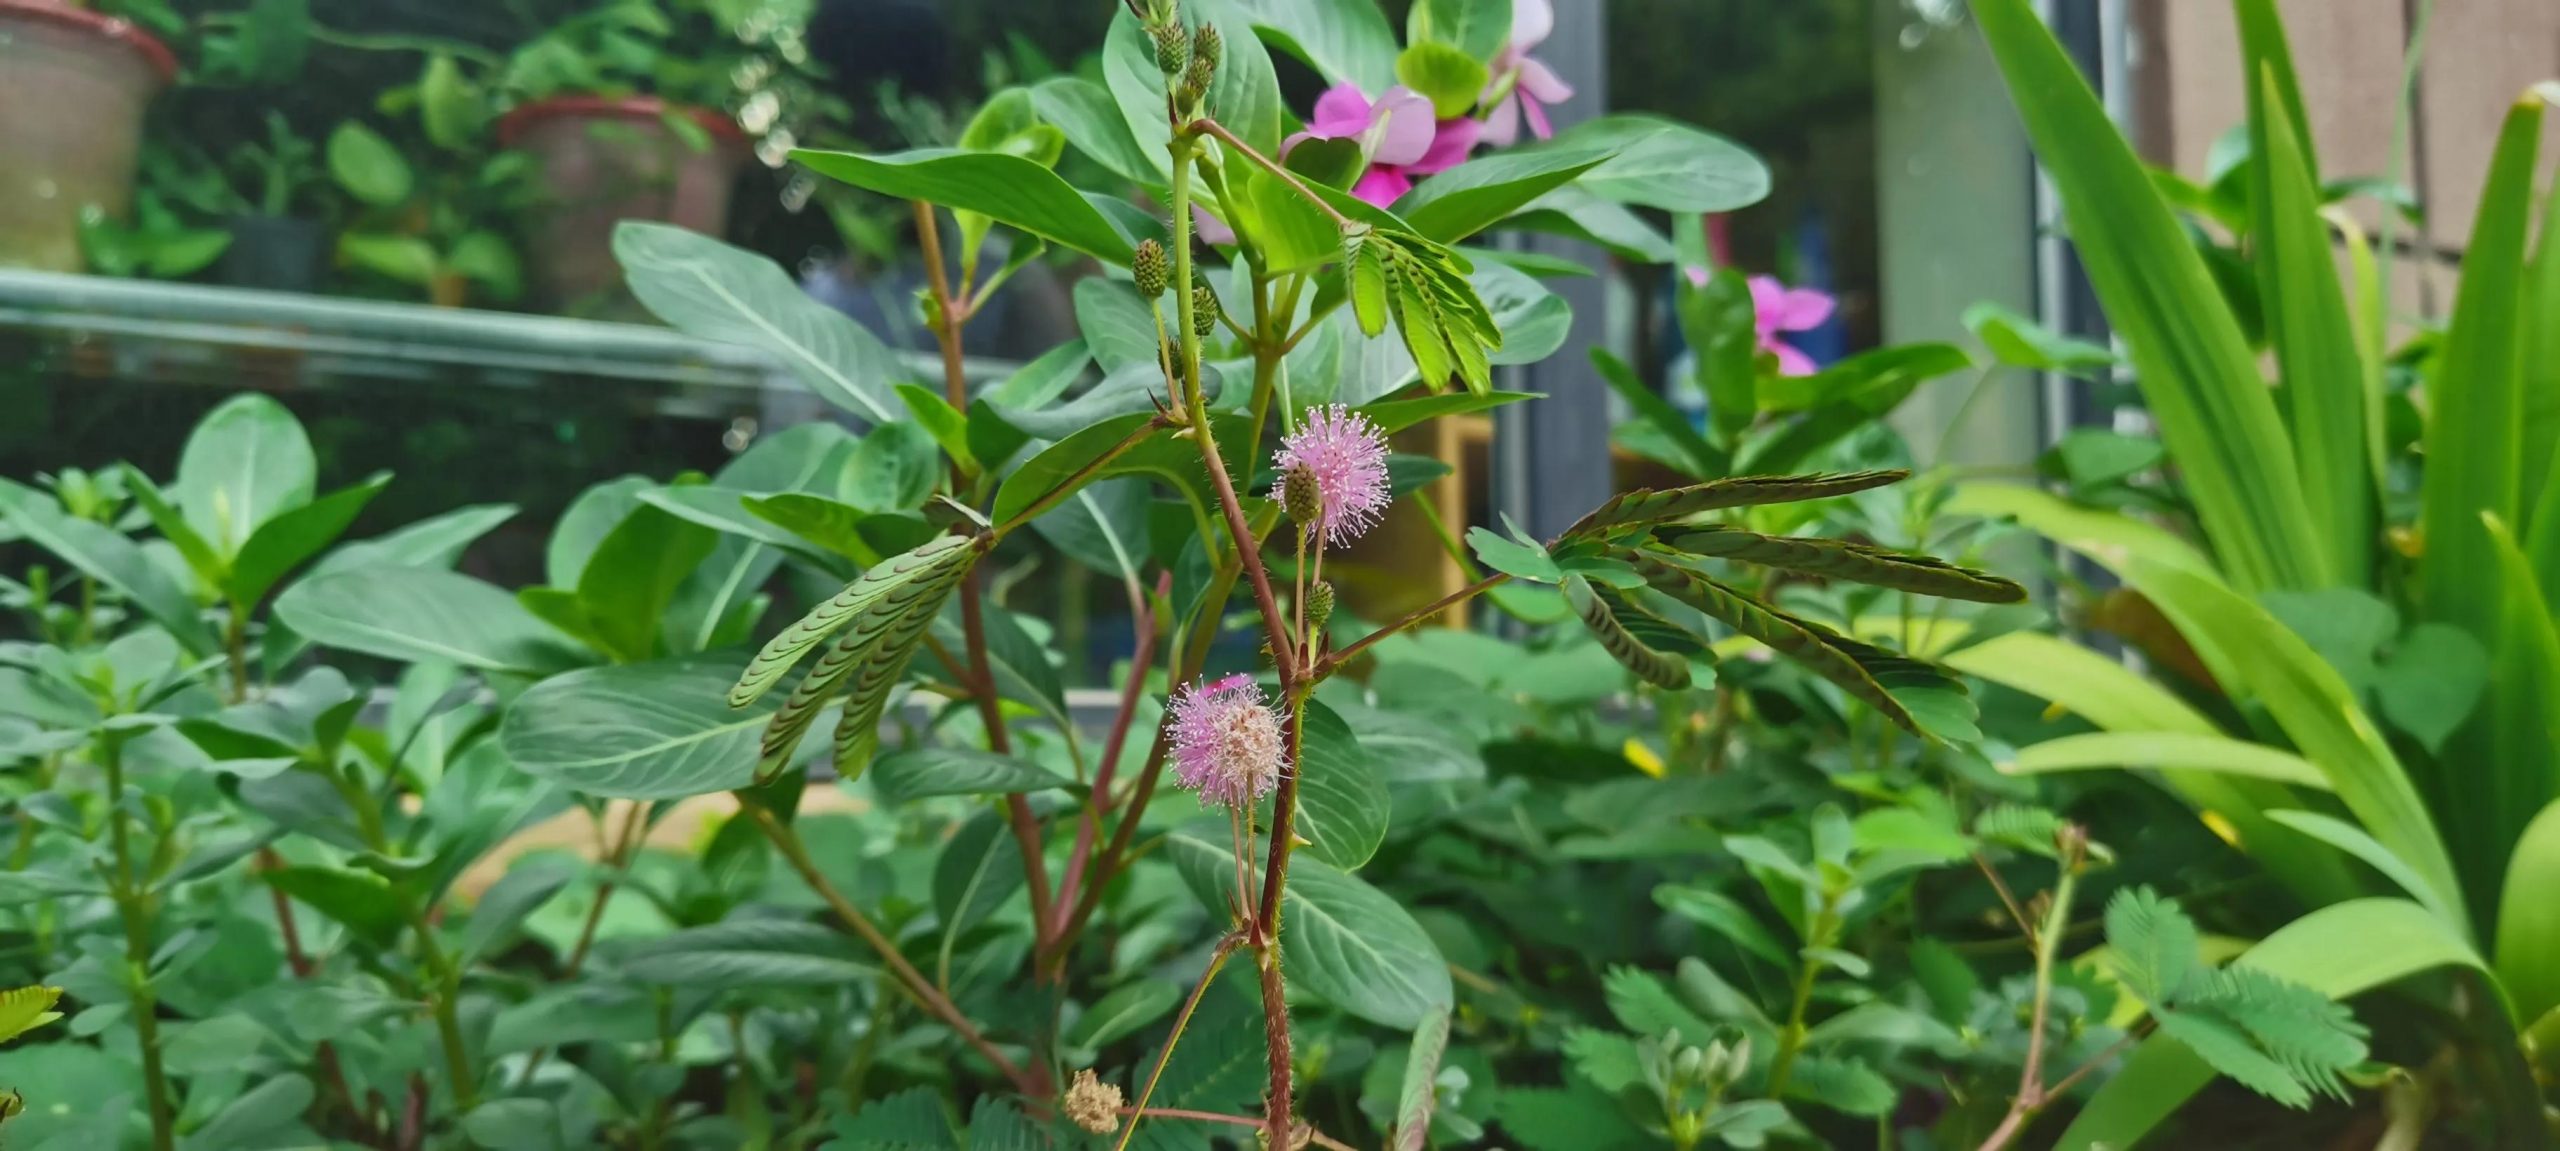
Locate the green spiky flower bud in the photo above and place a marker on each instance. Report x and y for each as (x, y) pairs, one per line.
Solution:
(1204, 311)
(1151, 268)
(1300, 497)
(1173, 47)
(1196, 80)
(1319, 606)
(1207, 47)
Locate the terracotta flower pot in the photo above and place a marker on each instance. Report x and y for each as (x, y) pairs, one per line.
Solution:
(73, 85)
(602, 160)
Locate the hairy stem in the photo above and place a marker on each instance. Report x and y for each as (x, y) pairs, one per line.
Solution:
(133, 906)
(787, 841)
(1266, 930)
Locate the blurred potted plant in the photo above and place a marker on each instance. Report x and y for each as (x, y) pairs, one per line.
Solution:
(171, 231)
(443, 234)
(279, 235)
(641, 110)
(73, 84)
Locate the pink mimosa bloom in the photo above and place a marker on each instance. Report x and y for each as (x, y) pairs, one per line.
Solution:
(1777, 309)
(1399, 138)
(1524, 86)
(1346, 456)
(1227, 743)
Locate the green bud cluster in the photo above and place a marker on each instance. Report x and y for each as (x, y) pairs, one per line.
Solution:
(1173, 47)
(1204, 311)
(1153, 271)
(1319, 607)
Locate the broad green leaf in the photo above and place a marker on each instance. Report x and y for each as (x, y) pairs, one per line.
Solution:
(1352, 946)
(405, 258)
(1534, 321)
(367, 166)
(264, 1115)
(2529, 919)
(2306, 314)
(705, 288)
(2331, 950)
(893, 469)
(503, 907)
(1127, 1008)
(1104, 526)
(359, 900)
(627, 585)
(245, 463)
(1717, 320)
(1520, 558)
(917, 772)
(422, 615)
(112, 560)
(2437, 674)
(436, 542)
(23, 1009)
(1084, 111)
(1480, 28)
(1245, 96)
(520, 1124)
(1577, 212)
(1060, 462)
(1448, 76)
(658, 730)
(1345, 41)
(1660, 163)
(2196, 371)
(978, 871)
(746, 953)
(1118, 325)
(294, 536)
(2167, 750)
(1704, 459)
(1008, 189)
(1343, 808)
(2021, 342)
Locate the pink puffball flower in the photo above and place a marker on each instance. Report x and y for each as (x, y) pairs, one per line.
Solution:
(1523, 87)
(1345, 456)
(1399, 138)
(1777, 309)
(1227, 743)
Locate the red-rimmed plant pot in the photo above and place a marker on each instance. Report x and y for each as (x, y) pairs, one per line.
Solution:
(73, 85)
(601, 160)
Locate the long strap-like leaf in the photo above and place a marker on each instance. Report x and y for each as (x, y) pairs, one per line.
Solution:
(1856, 562)
(777, 658)
(1653, 507)
(1658, 668)
(1827, 653)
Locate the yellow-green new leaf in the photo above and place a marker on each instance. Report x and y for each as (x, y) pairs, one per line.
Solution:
(2167, 750)
(2529, 919)
(23, 1009)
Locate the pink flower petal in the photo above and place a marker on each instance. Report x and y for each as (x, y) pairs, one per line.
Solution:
(1541, 82)
(1502, 125)
(1450, 146)
(1804, 309)
(1790, 361)
(1383, 185)
(1210, 229)
(1341, 111)
(1401, 127)
(1532, 21)
(1700, 276)
(1537, 115)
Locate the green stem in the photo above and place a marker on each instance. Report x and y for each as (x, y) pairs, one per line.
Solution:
(1217, 959)
(133, 906)
(2032, 1092)
(1219, 131)
(1791, 1040)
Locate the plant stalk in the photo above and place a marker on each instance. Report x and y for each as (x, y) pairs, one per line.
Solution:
(133, 907)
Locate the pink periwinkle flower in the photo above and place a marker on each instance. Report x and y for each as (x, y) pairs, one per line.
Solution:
(1398, 135)
(1522, 86)
(1777, 309)
(1226, 742)
(1345, 456)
